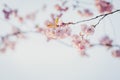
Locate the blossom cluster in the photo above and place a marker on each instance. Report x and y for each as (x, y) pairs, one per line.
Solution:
(56, 29)
(103, 6)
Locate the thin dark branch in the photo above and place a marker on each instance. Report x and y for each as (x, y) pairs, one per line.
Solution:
(100, 20)
(111, 46)
(102, 15)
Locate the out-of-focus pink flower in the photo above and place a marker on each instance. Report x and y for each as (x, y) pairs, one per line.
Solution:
(88, 30)
(17, 33)
(40, 29)
(60, 8)
(11, 45)
(20, 19)
(3, 50)
(103, 6)
(31, 16)
(106, 41)
(57, 33)
(7, 44)
(80, 43)
(57, 7)
(116, 53)
(86, 13)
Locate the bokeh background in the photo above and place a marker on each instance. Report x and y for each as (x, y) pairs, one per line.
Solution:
(36, 59)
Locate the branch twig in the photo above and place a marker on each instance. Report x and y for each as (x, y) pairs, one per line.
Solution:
(102, 15)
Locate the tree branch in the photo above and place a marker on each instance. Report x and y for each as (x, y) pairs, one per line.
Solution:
(96, 17)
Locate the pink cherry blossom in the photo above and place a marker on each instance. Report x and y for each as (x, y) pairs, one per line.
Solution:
(80, 43)
(103, 6)
(60, 8)
(85, 13)
(87, 30)
(106, 41)
(59, 25)
(7, 44)
(116, 53)
(57, 33)
(3, 50)
(39, 29)
(17, 32)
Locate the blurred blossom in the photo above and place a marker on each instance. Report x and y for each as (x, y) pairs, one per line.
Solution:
(106, 41)
(80, 43)
(87, 30)
(116, 53)
(103, 6)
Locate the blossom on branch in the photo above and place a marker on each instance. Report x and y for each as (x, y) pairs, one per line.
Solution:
(103, 6)
(87, 30)
(56, 29)
(106, 41)
(57, 33)
(116, 53)
(80, 43)
(85, 13)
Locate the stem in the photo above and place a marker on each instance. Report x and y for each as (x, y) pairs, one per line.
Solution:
(102, 15)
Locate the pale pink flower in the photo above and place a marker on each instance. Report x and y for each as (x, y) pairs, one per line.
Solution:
(17, 32)
(87, 30)
(31, 16)
(8, 44)
(85, 13)
(116, 53)
(80, 43)
(3, 50)
(106, 41)
(57, 33)
(103, 6)
(60, 8)
(11, 45)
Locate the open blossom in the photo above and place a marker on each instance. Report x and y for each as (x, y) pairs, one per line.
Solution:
(88, 30)
(80, 43)
(106, 41)
(55, 30)
(103, 6)
(116, 53)
(57, 33)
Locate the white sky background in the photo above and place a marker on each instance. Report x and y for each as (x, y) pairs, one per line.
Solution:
(35, 59)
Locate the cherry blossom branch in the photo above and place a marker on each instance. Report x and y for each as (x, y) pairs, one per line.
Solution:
(102, 17)
(100, 20)
(60, 31)
(96, 17)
